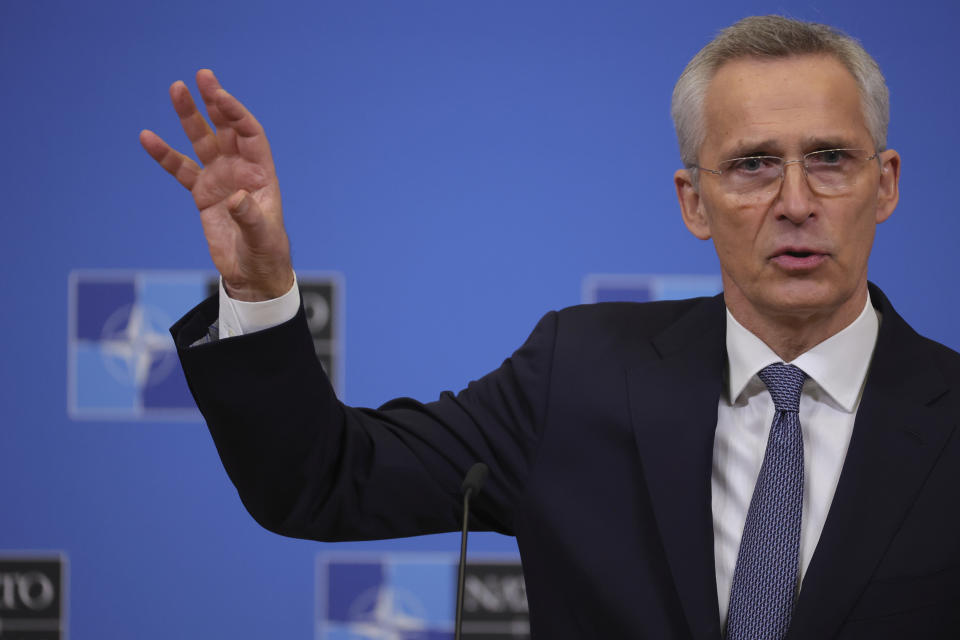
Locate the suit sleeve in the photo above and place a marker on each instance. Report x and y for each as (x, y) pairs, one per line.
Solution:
(307, 466)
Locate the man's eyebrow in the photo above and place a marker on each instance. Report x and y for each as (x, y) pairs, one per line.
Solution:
(815, 143)
(746, 147)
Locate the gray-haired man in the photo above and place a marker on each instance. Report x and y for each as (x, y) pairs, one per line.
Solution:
(778, 461)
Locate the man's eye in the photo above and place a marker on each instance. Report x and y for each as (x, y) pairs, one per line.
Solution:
(831, 156)
(753, 164)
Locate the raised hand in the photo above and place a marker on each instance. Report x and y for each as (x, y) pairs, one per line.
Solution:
(235, 189)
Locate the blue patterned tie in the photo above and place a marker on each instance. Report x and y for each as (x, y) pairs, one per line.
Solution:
(765, 578)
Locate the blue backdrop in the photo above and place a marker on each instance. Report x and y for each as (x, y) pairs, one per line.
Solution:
(463, 165)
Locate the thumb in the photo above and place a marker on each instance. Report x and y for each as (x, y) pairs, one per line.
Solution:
(244, 210)
(249, 217)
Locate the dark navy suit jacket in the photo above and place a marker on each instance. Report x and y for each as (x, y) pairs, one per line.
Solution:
(598, 433)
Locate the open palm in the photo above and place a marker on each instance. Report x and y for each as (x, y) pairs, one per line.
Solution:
(235, 189)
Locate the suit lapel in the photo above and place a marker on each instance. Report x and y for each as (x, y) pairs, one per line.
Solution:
(673, 404)
(899, 431)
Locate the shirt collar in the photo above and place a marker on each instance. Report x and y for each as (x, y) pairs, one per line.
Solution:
(838, 364)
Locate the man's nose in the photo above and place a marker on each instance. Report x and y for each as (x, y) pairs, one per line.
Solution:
(795, 200)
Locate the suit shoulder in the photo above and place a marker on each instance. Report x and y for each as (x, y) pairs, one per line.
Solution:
(947, 358)
(644, 318)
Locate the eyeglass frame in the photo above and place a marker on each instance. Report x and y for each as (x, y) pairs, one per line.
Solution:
(784, 162)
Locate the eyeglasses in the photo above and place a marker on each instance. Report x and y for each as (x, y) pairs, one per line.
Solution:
(831, 172)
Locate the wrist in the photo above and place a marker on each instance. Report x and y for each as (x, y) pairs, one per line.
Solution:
(261, 291)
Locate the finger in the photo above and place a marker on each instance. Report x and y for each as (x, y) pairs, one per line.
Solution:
(209, 86)
(238, 132)
(237, 115)
(184, 169)
(251, 139)
(199, 133)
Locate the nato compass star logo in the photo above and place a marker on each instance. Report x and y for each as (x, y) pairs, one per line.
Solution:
(122, 363)
(136, 348)
(385, 613)
(386, 596)
(122, 360)
(411, 596)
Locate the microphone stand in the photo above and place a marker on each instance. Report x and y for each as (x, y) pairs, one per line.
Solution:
(471, 485)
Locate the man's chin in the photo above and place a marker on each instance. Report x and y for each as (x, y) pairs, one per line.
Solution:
(778, 295)
(803, 298)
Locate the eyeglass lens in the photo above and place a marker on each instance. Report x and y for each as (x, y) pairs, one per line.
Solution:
(828, 172)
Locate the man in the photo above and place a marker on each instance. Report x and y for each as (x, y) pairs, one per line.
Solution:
(778, 461)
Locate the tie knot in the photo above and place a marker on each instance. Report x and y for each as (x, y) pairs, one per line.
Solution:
(784, 381)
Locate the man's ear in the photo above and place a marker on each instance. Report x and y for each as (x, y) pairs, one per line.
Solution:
(888, 191)
(691, 207)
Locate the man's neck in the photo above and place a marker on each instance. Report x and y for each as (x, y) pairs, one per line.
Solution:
(792, 333)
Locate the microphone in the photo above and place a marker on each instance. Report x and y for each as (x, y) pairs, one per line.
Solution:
(472, 483)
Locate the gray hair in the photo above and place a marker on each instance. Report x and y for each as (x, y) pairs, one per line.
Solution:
(774, 37)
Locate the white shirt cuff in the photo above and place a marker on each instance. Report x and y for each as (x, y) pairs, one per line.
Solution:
(238, 317)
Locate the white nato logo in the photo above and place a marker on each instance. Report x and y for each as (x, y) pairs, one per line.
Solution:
(121, 360)
(386, 613)
(133, 341)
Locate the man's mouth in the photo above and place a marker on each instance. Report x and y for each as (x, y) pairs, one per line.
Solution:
(798, 259)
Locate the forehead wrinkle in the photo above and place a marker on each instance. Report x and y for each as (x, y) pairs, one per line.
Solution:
(782, 107)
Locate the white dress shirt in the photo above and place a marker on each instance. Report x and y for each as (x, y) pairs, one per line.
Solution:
(237, 317)
(836, 370)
